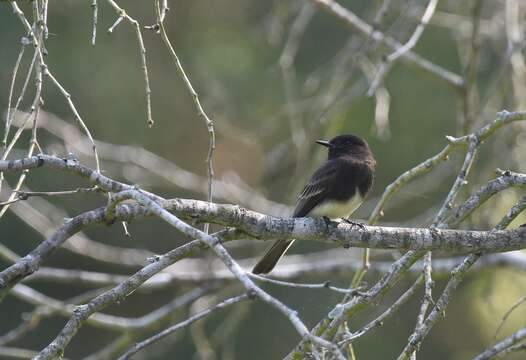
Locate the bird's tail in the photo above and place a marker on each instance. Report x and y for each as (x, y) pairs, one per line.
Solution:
(271, 258)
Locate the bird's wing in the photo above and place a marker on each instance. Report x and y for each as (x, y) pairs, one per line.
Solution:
(316, 189)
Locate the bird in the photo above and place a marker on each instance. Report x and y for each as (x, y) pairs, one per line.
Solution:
(335, 190)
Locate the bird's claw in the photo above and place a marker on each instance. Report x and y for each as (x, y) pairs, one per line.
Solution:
(354, 223)
(327, 221)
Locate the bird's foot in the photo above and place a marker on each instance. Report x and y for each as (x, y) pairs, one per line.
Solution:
(327, 221)
(354, 223)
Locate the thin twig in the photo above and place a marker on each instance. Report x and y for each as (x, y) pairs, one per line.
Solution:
(76, 115)
(457, 275)
(503, 118)
(288, 73)
(19, 100)
(507, 314)
(23, 195)
(116, 23)
(151, 340)
(325, 285)
(122, 14)
(10, 97)
(399, 52)
(195, 97)
(515, 211)
(386, 314)
(95, 11)
(438, 222)
(39, 25)
(470, 92)
(358, 24)
(503, 345)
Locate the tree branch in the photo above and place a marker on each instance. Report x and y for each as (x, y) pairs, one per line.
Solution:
(350, 19)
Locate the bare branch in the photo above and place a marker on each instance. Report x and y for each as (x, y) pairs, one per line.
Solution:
(325, 285)
(503, 345)
(386, 314)
(17, 353)
(95, 10)
(260, 226)
(118, 293)
(51, 305)
(151, 340)
(457, 276)
(11, 90)
(439, 222)
(503, 118)
(358, 24)
(508, 313)
(195, 97)
(122, 14)
(329, 86)
(391, 58)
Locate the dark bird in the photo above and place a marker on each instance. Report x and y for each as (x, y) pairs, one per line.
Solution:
(334, 191)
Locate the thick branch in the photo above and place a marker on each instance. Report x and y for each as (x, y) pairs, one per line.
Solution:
(379, 237)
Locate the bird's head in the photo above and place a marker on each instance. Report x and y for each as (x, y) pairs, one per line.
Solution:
(345, 145)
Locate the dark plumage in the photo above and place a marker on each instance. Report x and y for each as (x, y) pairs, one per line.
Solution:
(335, 190)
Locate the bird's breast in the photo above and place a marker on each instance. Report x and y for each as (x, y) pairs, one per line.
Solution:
(334, 209)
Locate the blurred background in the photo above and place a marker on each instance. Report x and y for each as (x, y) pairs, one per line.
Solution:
(274, 76)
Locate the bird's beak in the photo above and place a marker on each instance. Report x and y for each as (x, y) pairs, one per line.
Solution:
(324, 143)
